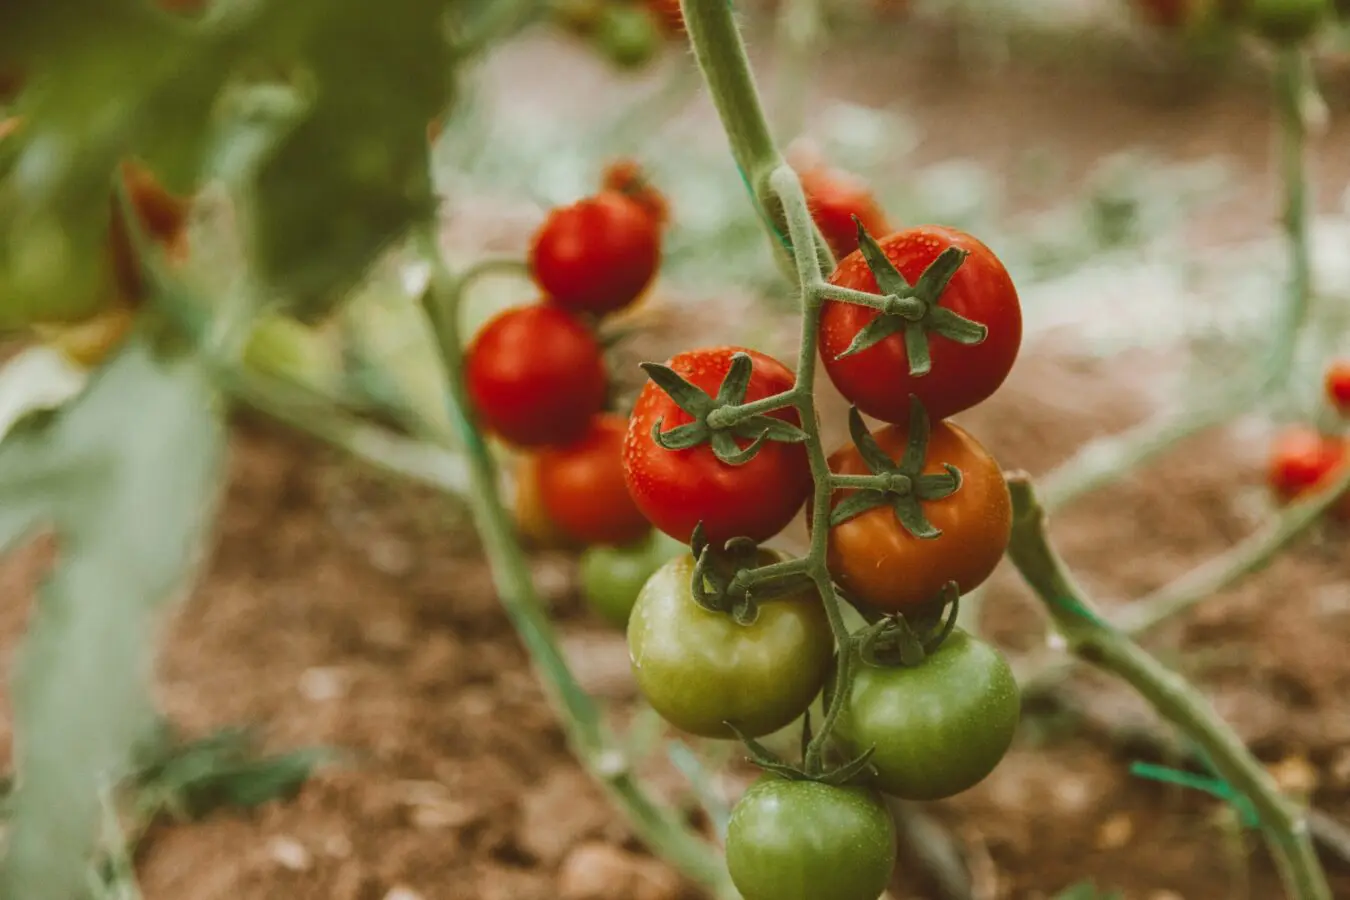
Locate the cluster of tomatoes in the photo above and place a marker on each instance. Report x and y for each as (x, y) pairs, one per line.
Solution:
(1305, 459)
(1280, 21)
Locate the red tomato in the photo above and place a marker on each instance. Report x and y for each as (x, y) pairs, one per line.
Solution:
(835, 197)
(627, 177)
(597, 255)
(1303, 461)
(1338, 386)
(583, 490)
(533, 522)
(877, 380)
(535, 376)
(874, 558)
(676, 489)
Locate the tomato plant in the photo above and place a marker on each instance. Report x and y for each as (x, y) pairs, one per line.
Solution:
(597, 255)
(801, 840)
(701, 669)
(1303, 461)
(1337, 383)
(878, 359)
(881, 556)
(535, 375)
(612, 577)
(582, 486)
(678, 489)
(940, 727)
(835, 197)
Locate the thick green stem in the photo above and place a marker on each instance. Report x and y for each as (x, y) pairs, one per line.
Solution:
(727, 416)
(1089, 637)
(1293, 81)
(657, 827)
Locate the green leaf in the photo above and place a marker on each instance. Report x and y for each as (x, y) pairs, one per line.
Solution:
(129, 474)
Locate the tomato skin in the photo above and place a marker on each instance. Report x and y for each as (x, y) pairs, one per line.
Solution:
(877, 380)
(597, 255)
(535, 375)
(612, 577)
(699, 669)
(875, 559)
(582, 487)
(676, 489)
(939, 728)
(1338, 386)
(1287, 21)
(834, 198)
(527, 508)
(1304, 461)
(802, 840)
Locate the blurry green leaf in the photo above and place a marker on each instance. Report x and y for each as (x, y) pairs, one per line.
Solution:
(127, 477)
(353, 175)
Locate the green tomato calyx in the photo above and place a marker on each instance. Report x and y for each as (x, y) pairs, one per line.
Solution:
(853, 771)
(734, 579)
(916, 309)
(720, 421)
(895, 641)
(900, 484)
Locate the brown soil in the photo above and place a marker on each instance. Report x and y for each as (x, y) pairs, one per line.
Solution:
(341, 608)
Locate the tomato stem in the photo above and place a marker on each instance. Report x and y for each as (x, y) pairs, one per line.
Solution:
(657, 826)
(729, 416)
(1095, 641)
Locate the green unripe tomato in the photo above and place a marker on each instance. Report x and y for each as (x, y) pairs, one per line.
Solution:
(612, 577)
(628, 35)
(940, 727)
(1287, 21)
(701, 669)
(801, 840)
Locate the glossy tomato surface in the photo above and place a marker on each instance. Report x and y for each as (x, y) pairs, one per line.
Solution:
(612, 577)
(676, 489)
(535, 376)
(1303, 461)
(835, 197)
(802, 840)
(875, 559)
(700, 669)
(597, 255)
(583, 490)
(939, 728)
(877, 380)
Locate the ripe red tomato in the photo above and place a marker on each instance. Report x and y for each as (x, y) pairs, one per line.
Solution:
(1303, 461)
(676, 489)
(877, 560)
(535, 375)
(877, 379)
(835, 197)
(597, 255)
(1338, 386)
(583, 490)
(627, 177)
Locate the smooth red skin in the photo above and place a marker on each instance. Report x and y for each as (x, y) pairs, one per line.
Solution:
(1303, 461)
(877, 380)
(1338, 386)
(834, 198)
(597, 255)
(535, 376)
(676, 489)
(583, 489)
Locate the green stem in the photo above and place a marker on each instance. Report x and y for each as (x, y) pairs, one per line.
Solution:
(747, 578)
(1293, 80)
(861, 298)
(655, 826)
(1045, 671)
(1089, 637)
(727, 416)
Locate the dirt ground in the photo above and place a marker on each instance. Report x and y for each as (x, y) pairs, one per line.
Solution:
(344, 609)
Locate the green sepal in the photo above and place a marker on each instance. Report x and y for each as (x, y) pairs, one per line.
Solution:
(938, 275)
(681, 437)
(726, 449)
(693, 400)
(888, 277)
(737, 380)
(770, 428)
(850, 771)
(920, 430)
(953, 327)
(872, 454)
(856, 504)
(877, 330)
(910, 514)
(938, 487)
